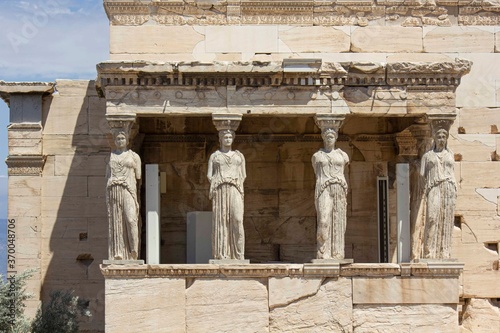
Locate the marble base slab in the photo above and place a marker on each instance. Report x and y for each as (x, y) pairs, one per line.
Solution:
(123, 262)
(428, 260)
(229, 262)
(333, 261)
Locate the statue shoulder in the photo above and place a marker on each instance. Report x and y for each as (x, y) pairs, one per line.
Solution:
(213, 155)
(135, 156)
(344, 155)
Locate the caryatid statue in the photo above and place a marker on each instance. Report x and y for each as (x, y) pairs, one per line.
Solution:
(437, 169)
(226, 173)
(331, 190)
(123, 174)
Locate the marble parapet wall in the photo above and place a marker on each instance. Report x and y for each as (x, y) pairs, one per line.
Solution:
(440, 13)
(293, 86)
(283, 297)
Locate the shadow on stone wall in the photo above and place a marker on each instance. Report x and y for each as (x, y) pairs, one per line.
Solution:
(74, 215)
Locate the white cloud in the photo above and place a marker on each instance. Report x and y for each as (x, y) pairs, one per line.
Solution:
(63, 42)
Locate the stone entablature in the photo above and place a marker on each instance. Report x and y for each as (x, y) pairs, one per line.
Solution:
(293, 86)
(304, 12)
(9, 88)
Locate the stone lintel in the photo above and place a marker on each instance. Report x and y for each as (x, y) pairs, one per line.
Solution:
(443, 269)
(9, 88)
(151, 88)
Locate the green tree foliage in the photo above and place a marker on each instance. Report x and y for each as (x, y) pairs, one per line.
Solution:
(61, 314)
(12, 297)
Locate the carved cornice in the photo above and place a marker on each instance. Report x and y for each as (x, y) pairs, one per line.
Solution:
(427, 74)
(25, 165)
(25, 127)
(434, 269)
(304, 12)
(437, 269)
(375, 270)
(144, 75)
(9, 88)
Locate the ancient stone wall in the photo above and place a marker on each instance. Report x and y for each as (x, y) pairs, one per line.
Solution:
(62, 215)
(372, 31)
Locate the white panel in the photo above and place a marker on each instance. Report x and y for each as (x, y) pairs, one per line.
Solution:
(199, 237)
(152, 214)
(403, 211)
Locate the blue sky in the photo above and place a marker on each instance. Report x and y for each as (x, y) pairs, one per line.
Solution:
(45, 40)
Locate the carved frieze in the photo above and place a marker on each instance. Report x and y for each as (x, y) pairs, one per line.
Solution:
(443, 269)
(305, 12)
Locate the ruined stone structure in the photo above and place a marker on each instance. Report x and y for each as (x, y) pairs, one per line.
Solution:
(388, 69)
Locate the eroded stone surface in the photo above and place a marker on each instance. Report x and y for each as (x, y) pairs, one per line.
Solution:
(152, 299)
(329, 310)
(283, 291)
(229, 305)
(418, 318)
(401, 290)
(481, 316)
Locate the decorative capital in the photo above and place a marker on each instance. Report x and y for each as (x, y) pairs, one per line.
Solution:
(329, 121)
(441, 121)
(226, 121)
(121, 123)
(413, 141)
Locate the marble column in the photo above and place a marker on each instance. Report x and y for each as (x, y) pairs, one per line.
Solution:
(122, 193)
(440, 190)
(331, 191)
(412, 143)
(227, 173)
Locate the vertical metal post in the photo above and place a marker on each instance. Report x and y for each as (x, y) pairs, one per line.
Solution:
(383, 218)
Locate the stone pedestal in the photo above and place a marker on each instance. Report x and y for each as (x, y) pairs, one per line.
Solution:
(283, 297)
